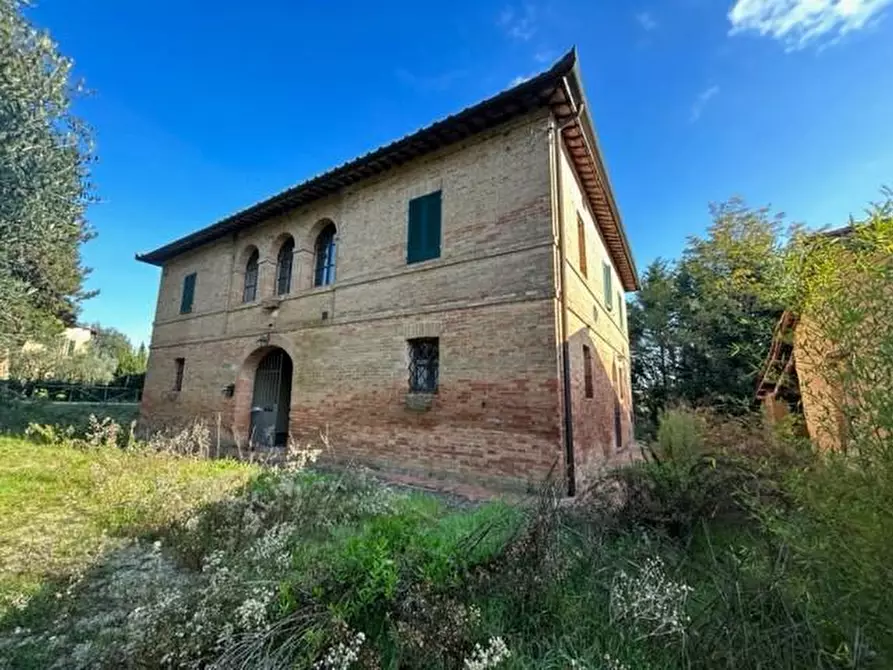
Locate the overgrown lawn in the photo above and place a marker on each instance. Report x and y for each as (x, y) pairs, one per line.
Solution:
(60, 507)
(743, 556)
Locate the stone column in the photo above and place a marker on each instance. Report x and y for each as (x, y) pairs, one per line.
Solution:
(302, 271)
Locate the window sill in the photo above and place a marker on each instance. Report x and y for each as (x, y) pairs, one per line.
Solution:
(419, 402)
(322, 288)
(271, 303)
(422, 261)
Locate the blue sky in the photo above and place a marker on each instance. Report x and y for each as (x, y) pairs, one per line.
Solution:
(201, 108)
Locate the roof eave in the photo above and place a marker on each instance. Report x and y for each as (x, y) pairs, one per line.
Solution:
(578, 132)
(589, 128)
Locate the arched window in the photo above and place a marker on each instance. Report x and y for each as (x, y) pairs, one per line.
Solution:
(283, 267)
(325, 257)
(249, 290)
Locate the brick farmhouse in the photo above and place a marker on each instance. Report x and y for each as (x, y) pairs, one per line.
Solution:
(451, 304)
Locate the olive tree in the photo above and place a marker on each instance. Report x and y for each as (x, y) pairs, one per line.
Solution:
(45, 154)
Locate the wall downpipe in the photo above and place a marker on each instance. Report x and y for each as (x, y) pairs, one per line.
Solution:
(570, 468)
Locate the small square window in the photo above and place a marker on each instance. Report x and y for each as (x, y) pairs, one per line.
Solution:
(424, 364)
(180, 366)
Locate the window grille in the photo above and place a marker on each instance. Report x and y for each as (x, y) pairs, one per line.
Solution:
(424, 364)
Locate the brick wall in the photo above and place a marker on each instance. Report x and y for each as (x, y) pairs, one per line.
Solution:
(490, 299)
(604, 331)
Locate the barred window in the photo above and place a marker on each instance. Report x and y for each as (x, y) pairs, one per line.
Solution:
(424, 363)
(249, 291)
(179, 366)
(283, 267)
(324, 273)
(618, 419)
(587, 372)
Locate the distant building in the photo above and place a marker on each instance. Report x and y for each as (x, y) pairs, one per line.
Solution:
(449, 304)
(71, 341)
(801, 373)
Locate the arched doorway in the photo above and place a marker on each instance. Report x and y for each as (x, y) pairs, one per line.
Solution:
(271, 399)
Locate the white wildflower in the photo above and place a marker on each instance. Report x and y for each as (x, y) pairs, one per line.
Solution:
(612, 663)
(297, 457)
(342, 655)
(650, 600)
(473, 615)
(20, 601)
(271, 548)
(252, 613)
(483, 659)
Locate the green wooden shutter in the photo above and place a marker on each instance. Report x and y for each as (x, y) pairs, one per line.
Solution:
(432, 225)
(609, 291)
(423, 231)
(414, 243)
(188, 294)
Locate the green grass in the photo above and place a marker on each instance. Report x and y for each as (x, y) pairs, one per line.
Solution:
(709, 562)
(60, 507)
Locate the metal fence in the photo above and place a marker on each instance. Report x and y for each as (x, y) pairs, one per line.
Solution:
(68, 392)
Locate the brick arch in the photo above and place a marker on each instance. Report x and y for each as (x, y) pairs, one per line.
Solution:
(277, 246)
(308, 240)
(316, 232)
(238, 279)
(244, 385)
(272, 251)
(245, 254)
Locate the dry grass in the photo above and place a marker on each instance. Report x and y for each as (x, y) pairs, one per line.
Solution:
(60, 506)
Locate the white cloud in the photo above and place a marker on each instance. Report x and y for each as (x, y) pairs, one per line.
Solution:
(647, 21)
(798, 23)
(520, 79)
(519, 25)
(703, 98)
(544, 56)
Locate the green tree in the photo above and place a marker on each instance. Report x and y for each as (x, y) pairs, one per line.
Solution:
(52, 359)
(142, 359)
(115, 344)
(730, 285)
(45, 152)
(700, 328)
(842, 291)
(111, 341)
(653, 329)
